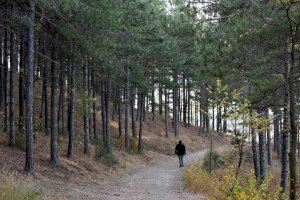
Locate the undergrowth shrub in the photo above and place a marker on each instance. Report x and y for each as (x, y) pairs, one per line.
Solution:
(14, 187)
(133, 145)
(104, 156)
(21, 141)
(38, 125)
(121, 143)
(200, 180)
(227, 186)
(217, 161)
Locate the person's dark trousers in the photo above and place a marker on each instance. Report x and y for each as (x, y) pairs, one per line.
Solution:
(180, 160)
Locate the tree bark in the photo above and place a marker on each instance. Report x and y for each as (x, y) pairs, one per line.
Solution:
(29, 165)
(6, 81)
(219, 118)
(166, 112)
(175, 106)
(71, 94)
(132, 102)
(103, 110)
(45, 86)
(1, 69)
(293, 125)
(269, 145)
(61, 101)
(96, 134)
(107, 112)
(153, 103)
(262, 156)
(276, 130)
(54, 102)
(13, 71)
(87, 142)
(184, 107)
(142, 107)
(160, 101)
(188, 102)
(255, 154)
(119, 110)
(224, 119)
(284, 143)
(127, 108)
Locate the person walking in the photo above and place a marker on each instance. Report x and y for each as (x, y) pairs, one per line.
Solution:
(180, 151)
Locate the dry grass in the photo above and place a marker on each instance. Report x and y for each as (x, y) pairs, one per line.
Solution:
(200, 181)
(16, 186)
(223, 183)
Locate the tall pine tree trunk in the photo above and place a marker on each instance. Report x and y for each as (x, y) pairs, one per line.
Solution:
(61, 117)
(276, 121)
(54, 102)
(1, 68)
(188, 102)
(6, 81)
(284, 141)
(127, 108)
(132, 102)
(87, 143)
(22, 54)
(184, 107)
(269, 145)
(119, 110)
(293, 125)
(225, 119)
(153, 103)
(29, 165)
(107, 112)
(45, 86)
(262, 155)
(255, 154)
(219, 118)
(166, 112)
(160, 102)
(142, 107)
(96, 134)
(102, 95)
(13, 71)
(71, 94)
(175, 106)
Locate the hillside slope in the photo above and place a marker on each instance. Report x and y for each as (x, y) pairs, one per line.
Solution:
(84, 176)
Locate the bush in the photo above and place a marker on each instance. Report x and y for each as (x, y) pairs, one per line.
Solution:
(216, 161)
(121, 143)
(245, 188)
(38, 125)
(227, 186)
(200, 180)
(13, 187)
(21, 141)
(103, 155)
(133, 145)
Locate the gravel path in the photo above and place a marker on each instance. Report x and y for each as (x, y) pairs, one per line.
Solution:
(159, 182)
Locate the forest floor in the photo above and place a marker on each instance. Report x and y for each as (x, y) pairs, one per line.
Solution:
(153, 175)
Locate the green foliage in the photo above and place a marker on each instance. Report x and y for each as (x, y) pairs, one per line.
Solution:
(225, 185)
(133, 145)
(104, 156)
(121, 143)
(212, 161)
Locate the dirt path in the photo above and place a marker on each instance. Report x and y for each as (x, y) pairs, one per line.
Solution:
(160, 182)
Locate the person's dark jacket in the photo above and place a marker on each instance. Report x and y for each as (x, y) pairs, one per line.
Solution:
(180, 149)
